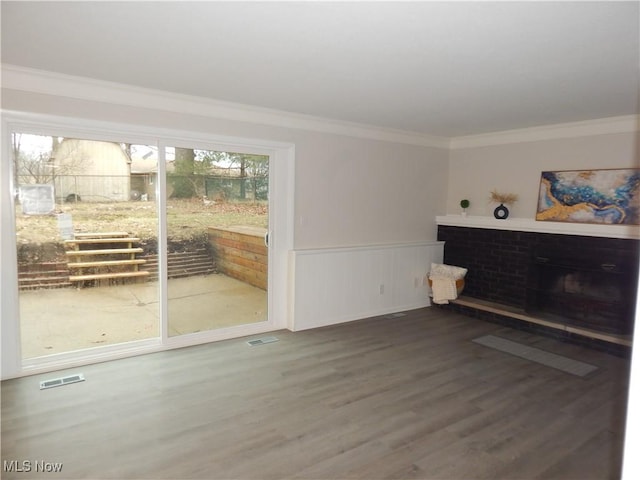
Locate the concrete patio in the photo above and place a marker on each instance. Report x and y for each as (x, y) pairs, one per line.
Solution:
(62, 320)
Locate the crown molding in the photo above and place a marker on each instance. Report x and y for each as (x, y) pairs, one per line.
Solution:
(601, 126)
(52, 83)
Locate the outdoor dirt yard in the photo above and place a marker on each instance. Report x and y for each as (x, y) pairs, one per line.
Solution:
(38, 236)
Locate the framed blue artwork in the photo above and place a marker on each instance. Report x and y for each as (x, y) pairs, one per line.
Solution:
(609, 196)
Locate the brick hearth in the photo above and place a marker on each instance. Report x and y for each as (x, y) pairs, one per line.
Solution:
(498, 263)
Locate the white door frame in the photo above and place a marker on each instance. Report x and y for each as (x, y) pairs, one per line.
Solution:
(281, 159)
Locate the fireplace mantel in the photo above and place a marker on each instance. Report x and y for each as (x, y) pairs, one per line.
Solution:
(531, 225)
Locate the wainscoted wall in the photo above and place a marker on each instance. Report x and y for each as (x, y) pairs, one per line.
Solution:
(336, 285)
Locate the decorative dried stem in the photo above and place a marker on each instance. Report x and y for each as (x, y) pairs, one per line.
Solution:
(507, 198)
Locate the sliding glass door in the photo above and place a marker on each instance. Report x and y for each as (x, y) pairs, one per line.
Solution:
(127, 243)
(86, 227)
(217, 205)
(88, 250)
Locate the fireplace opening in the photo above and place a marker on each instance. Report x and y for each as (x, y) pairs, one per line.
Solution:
(593, 289)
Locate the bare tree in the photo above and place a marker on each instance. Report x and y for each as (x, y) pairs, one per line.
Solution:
(16, 138)
(33, 167)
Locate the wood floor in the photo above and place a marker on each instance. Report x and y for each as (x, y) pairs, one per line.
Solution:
(408, 397)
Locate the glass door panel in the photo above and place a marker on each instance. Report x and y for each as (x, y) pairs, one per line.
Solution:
(86, 224)
(217, 220)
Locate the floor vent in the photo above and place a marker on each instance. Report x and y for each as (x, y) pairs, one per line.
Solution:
(57, 382)
(261, 341)
(396, 315)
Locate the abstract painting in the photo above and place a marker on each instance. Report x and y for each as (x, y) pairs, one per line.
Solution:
(610, 196)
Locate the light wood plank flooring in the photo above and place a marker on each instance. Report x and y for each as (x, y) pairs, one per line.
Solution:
(410, 397)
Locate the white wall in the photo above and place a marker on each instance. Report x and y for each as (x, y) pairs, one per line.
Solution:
(515, 167)
(353, 192)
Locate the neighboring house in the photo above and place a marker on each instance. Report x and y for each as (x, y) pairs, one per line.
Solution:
(91, 171)
(144, 175)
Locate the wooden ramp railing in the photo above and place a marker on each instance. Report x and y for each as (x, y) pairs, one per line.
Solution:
(104, 256)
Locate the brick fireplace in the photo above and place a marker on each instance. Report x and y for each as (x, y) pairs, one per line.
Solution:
(584, 285)
(585, 281)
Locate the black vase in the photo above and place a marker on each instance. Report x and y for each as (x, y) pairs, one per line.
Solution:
(501, 212)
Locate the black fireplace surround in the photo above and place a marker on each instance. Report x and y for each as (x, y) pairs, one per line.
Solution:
(577, 280)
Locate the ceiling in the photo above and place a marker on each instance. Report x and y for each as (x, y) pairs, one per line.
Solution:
(438, 68)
